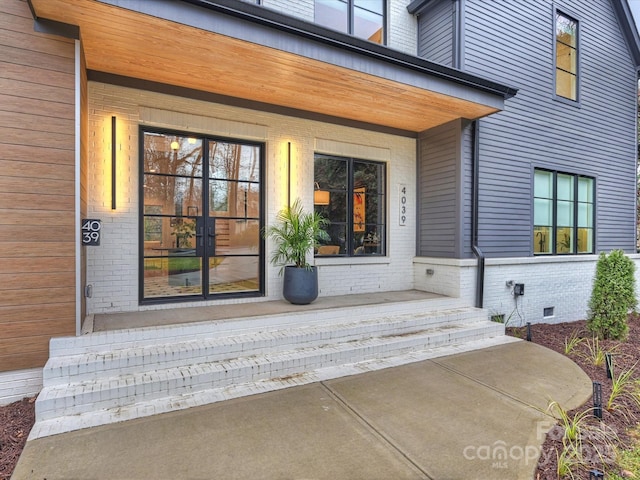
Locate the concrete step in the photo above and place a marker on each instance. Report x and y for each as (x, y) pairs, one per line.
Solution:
(147, 372)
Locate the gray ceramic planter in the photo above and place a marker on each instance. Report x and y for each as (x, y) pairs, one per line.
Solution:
(300, 285)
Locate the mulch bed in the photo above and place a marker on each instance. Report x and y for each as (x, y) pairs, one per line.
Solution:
(617, 422)
(17, 418)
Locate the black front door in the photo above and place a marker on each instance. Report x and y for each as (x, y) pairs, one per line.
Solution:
(201, 218)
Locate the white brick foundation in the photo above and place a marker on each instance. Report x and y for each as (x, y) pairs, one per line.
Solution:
(563, 283)
(17, 384)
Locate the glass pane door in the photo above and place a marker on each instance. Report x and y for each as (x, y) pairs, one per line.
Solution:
(200, 232)
(234, 211)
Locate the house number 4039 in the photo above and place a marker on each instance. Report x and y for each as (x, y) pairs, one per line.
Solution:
(91, 231)
(404, 204)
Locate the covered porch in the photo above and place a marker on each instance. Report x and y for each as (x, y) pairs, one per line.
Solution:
(203, 71)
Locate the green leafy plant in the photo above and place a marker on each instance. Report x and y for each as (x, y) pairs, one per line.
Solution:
(595, 353)
(628, 460)
(568, 462)
(580, 435)
(501, 317)
(572, 342)
(623, 386)
(612, 297)
(295, 234)
(183, 231)
(571, 425)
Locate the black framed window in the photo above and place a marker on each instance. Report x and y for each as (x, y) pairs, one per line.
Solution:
(351, 193)
(564, 213)
(566, 48)
(360, 18)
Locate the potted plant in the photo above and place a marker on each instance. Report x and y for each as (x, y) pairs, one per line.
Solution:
(295, 234)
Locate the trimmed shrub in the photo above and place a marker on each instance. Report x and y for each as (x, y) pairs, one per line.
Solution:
(612, 297)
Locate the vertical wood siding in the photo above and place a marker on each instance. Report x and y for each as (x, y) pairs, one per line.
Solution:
(512, 42)
(435, 33)
(37, 231)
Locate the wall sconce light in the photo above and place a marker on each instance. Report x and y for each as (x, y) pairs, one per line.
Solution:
(288, 174)
(321, 197)
(113, 163)
(175, 146)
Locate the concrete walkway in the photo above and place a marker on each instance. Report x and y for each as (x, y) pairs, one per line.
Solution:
(475, 415)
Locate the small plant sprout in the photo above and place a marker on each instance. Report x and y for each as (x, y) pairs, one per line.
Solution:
(583, 440)
(571, 425)
(595, 353)
(568, 462)
(623, 386)
(572, 342)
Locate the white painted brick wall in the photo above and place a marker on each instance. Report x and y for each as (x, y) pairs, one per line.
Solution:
(112, 267)
(564, 283)
(403, 31)
(302, 9)
(17, 384)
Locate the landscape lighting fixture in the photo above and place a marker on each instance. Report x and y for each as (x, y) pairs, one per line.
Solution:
(597, 400)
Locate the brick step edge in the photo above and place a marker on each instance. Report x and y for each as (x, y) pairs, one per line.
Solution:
(62, 369)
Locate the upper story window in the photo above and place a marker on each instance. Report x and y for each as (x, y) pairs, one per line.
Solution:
(563, 212)
(566, 57)
(351, 193)
(360, 18)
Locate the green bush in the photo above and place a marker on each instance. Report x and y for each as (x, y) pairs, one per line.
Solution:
(613, 296)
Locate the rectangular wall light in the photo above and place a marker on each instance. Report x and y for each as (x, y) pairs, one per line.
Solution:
(113, 163)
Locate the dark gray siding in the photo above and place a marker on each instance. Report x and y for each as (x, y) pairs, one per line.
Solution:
(467, 188)
(435, 33)
(512, 41)
(439, 202)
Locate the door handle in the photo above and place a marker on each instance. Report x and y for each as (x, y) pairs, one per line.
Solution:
(199, 235)
(210, 235)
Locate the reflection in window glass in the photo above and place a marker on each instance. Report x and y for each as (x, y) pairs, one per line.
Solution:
(356, 207)
(200, 216)
(563, 210)
(332, 14)
(361, 18)
(566, 57)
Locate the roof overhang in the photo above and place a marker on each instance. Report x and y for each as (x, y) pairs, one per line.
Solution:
(237, 50)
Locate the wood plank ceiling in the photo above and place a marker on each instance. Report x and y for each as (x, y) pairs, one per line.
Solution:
(123, 42)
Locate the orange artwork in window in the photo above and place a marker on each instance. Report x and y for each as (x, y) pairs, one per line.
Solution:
(358, 209)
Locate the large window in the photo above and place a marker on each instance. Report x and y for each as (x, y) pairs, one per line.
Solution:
(351, 194)
(563, 210)
(360, 18)
(566, 57)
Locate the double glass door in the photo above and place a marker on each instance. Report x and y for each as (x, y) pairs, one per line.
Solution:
(201, 217)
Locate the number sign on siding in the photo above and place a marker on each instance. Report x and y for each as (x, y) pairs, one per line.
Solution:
(404, 204)
(91, 231)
